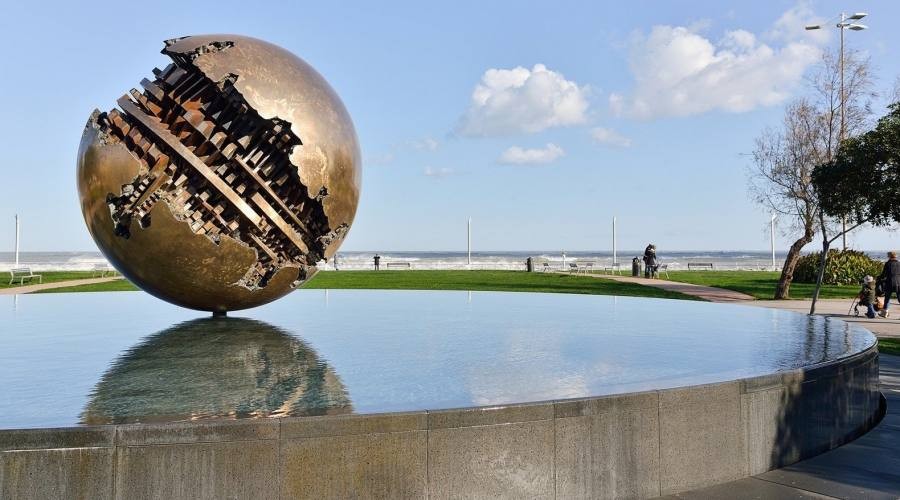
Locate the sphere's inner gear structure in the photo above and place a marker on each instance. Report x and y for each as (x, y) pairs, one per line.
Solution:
(219, 166)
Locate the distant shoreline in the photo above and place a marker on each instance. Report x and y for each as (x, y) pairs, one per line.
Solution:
(453, 260)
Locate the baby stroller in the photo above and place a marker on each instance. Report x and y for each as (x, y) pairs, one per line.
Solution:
(878, 304)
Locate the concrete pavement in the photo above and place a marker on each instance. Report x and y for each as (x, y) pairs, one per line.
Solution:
(840, 308)
(709, 293)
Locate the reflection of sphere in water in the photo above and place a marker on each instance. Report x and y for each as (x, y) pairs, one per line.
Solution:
(216, 367)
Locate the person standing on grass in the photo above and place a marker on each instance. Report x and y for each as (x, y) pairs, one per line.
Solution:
(377, 260)
(890, 279)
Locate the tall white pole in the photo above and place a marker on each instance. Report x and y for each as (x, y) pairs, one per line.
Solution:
(774, 216)
(469, 242)
(615, 260)
(17, 240)
(843, 121)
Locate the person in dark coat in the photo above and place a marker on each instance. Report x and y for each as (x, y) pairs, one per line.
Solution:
(890, 279)
(650, 261)
(377, 260)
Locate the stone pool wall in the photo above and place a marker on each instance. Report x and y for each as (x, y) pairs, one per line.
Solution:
(633, 445)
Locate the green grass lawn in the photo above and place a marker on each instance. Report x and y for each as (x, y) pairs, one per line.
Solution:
(759, 284)
(889, 346)
(505, 281)
(48, 277)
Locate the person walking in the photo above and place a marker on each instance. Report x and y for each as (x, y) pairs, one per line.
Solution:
(650, 261)
(890, 281)
(377, 260)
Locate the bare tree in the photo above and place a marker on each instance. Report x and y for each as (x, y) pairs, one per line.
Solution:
(781, 180)
(784, 159)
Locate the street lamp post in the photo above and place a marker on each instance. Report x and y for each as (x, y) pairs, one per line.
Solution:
(774, 216)
(615, 260)
(844, 24)
(17, 240)
(469, 243)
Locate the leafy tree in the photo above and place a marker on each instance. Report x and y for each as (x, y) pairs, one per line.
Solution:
(862, 182)
(784, 158)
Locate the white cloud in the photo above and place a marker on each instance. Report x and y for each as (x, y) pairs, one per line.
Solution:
(519, 156)
(426, 144)
(790, 26)
(679, 72)
(381, 159)
(609, 137)
(519, 100)
(438, 172)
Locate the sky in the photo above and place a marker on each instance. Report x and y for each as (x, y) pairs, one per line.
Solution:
(539, 120)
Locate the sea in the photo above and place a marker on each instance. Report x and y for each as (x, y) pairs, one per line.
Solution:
(499, 260)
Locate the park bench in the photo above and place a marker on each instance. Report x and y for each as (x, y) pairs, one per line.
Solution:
(584, 267)
(398, 265)
(700, 265)
(102, 270)
(22, 274)
(613, 268)
(663, 269)
(545, 267)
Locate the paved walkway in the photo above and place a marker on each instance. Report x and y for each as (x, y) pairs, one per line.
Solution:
(16, 290)
(881, 327)
(868, 468)
(709, 293)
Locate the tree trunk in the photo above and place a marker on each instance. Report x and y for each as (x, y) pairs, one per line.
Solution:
(783, 290)
(823, 260)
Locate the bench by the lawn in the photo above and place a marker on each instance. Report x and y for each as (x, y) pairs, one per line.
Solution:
(584, 267)
(615, 267)
(102, 270)
(700, 265)
(663, 269)
(22, 274)
(398, 265)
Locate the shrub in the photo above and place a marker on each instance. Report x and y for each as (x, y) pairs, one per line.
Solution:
(846, 267)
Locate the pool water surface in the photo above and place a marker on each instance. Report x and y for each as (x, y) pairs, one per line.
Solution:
(120, 357)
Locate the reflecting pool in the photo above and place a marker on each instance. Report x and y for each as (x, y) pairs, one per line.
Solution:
(96, 358)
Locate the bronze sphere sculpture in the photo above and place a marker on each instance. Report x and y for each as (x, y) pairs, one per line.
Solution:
(221, 184)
